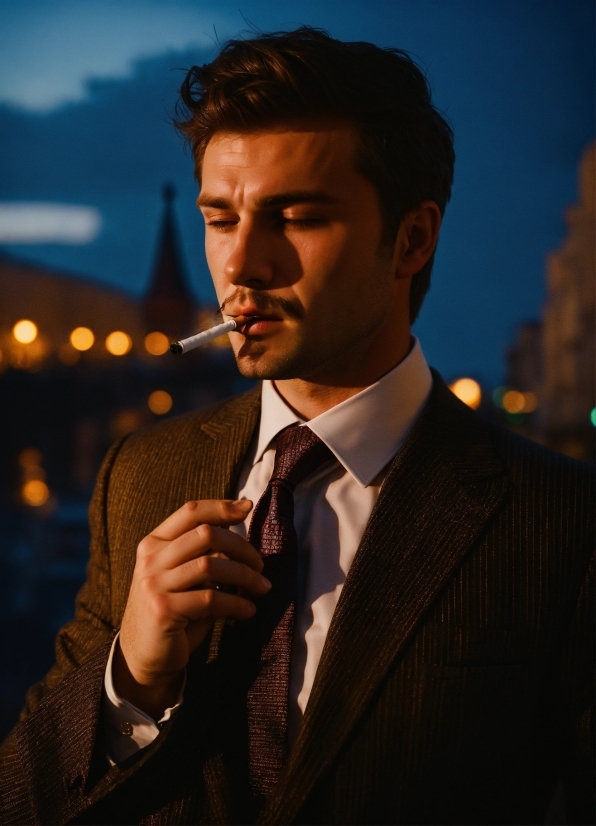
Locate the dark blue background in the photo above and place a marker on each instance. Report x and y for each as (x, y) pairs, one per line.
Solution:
(515, 79)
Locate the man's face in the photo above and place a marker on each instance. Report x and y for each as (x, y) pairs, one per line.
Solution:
(293, 238)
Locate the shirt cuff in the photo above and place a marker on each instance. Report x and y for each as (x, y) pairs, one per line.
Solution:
(127, 729)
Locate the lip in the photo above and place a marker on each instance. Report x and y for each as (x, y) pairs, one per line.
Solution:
(257, 323)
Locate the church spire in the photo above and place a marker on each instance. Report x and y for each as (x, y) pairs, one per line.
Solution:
(168, 305)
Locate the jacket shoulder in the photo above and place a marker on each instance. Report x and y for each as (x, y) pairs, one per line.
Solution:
(167, 437)
(516, 450)
(463, 430)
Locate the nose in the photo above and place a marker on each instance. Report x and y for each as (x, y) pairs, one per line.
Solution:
(249, 263)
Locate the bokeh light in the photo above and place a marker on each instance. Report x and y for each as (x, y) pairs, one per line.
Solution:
(468, 391)
(498, 393)
(82, 338)
(35, 493)
(25, 331)
(29, 457)
(118, 343)
(160, 402)
(157, 344)
(513, 401)
(593, 416)
(125, 422)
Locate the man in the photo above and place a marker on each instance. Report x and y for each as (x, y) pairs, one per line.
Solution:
(411, 643)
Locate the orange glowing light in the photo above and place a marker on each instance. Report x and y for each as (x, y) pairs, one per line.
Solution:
(35, 493)
(157, 344)
(530, 402)
(468, 391)
(30, 457)
(118, 343)
(160, 402)
(125, 422)
(513, 401)
(82, 338)
(25, 331)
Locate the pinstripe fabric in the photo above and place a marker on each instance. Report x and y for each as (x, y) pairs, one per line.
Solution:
(455, 683)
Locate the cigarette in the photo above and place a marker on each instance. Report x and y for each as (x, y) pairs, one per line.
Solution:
(187, 344)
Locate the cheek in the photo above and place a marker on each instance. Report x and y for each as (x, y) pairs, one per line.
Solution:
(216, 259)
(345, 266)
(324, 258)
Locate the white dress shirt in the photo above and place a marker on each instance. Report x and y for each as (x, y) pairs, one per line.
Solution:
(332, 508)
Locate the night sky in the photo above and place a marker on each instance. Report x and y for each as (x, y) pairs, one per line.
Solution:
(87, 88)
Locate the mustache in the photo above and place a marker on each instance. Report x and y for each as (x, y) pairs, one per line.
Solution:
(264, 302)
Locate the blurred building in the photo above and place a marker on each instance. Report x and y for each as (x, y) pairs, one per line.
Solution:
(60, 304)
(569, 341)
(169, 305)
(554, 359)
(80, 366)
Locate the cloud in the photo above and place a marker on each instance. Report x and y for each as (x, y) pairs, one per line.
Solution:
(47, 223)
(48, 51)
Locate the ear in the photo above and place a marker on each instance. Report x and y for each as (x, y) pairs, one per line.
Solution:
(417, 238)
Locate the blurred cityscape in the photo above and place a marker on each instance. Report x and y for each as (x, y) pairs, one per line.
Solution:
(81, 365)
(549, 392)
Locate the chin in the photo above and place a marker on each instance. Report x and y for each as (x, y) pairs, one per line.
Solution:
(269, 366)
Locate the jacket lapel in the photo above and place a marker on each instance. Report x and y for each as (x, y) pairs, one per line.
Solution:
(442, 487)
(229, 432)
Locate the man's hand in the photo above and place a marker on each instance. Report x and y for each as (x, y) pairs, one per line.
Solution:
(174, 598)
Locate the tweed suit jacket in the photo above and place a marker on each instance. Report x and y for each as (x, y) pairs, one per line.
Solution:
(456, 681)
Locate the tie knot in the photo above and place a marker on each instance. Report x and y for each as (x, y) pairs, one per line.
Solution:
(299, 452)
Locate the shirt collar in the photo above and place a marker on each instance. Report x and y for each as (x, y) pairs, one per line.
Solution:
(366, 430)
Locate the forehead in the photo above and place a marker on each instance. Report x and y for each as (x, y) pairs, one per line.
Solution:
(301, 156)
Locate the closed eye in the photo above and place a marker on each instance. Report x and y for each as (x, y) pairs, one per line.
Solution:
(222, 226)
(303, 223)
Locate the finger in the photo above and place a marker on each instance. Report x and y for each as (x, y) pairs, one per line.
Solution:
(210, 605)
(206, 539)
(211, 511)
(208, 571)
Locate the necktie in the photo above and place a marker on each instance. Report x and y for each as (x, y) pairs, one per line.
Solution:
(299, 453)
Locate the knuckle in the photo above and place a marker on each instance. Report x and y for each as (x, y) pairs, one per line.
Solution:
(204, 565)
(191, 505)
(158, 605)
(148, 584)
(144, 565)
(205, 533)
(209, 597)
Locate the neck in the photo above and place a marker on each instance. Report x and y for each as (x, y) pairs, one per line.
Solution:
(310, 398)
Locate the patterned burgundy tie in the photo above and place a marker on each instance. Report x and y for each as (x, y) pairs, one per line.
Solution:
(299, 453)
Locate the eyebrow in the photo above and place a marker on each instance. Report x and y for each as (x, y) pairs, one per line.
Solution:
(281, 200)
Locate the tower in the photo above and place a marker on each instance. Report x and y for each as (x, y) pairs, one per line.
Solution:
(168, 306)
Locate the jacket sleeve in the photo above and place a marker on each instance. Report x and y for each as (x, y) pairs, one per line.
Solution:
(578, 694)
(61, 713)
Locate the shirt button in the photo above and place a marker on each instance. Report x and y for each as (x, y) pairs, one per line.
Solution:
(126, 728)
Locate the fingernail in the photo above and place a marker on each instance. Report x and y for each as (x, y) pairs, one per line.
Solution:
(245, 504)
(266, 582)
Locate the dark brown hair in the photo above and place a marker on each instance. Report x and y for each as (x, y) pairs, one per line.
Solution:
(406, 146)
